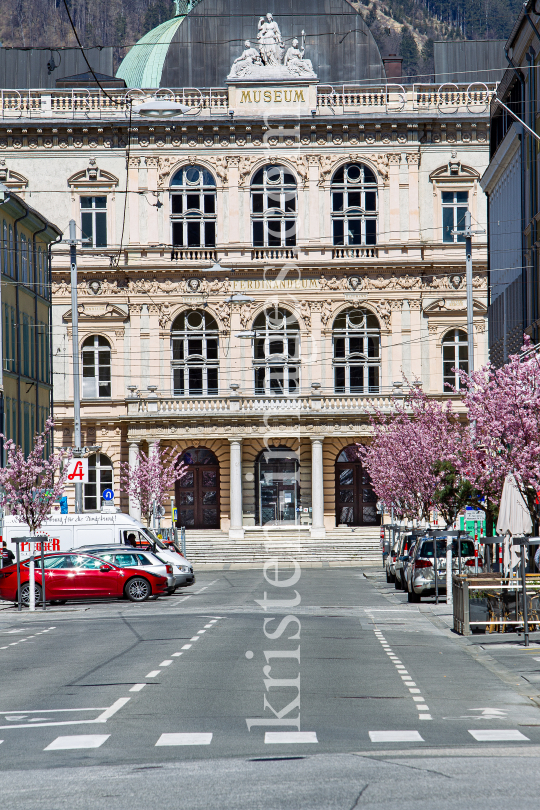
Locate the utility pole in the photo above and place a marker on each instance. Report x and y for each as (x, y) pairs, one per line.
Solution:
(468, 233)
(77, 448)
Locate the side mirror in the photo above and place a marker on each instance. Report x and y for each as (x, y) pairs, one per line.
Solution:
(105, 568)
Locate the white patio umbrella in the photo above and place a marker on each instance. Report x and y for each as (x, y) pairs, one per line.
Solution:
(514, 519)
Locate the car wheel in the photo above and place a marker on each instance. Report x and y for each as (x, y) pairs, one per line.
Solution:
(58, 601)
(137, 589)
(413, 597)
(170, 591)
(25, 594)
(397, 584)
(388, 577)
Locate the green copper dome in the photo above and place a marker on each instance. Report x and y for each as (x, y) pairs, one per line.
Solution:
(143, 65)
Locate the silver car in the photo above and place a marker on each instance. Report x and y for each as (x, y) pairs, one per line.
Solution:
(134, 558)
(421, 574)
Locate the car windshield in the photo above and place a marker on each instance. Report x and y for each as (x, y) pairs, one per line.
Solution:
(153, 539)
(467, 548)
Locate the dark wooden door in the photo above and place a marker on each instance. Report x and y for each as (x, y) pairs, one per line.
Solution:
(356, 503)
(197, 497)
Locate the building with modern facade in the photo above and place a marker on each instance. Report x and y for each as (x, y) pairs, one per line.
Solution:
(25, 299)
(511, 184)
(263, 271)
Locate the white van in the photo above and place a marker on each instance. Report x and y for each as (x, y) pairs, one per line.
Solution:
(66, 532)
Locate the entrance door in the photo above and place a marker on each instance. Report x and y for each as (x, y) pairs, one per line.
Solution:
(355, 498)
(197, 491)
(278, 487)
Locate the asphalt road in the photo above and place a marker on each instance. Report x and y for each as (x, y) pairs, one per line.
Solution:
(329, 691)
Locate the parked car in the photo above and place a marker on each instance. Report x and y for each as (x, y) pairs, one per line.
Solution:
(421, 574)
(133, 558)
(181, 573)
(390, 564)
(81, 576)
(402, 554)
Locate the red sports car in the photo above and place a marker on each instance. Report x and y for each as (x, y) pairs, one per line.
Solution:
(80, 576)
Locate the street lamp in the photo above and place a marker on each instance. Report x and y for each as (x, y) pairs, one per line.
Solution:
(161, 108)
(239, 298)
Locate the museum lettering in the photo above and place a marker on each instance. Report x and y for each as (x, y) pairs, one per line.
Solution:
(272, 96)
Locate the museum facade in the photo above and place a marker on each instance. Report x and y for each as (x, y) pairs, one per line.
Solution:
(258, 274)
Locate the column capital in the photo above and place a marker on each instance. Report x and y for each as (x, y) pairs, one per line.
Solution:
(317, 439)
(238, 439)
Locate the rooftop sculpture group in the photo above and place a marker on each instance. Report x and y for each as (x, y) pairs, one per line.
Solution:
(269, 62)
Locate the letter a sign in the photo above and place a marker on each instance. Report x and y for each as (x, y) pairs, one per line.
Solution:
(78, 471)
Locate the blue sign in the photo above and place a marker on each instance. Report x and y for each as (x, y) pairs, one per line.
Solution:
(107, 495)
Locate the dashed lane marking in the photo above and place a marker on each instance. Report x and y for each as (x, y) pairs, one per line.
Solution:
(166, 663)
(137, 687)
(186, 647)
(287, 737)
(185, 738)
(77, 741)
(154, 673)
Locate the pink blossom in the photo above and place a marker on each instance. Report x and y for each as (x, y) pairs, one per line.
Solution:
(30, 485)
(152, 478)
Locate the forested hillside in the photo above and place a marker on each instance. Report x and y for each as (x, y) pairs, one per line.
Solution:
(405, 27)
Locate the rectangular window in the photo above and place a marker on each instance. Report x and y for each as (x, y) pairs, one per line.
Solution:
(25, 346)
(454, 208)
(212, 381)
(178, 381)
(178, 233)
(11, 253)
(371, 231)
(94, 221)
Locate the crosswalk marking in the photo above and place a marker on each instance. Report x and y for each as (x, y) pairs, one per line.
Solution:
(77, 741)
(395, 736)
(497, 735)
(280, 737)
(185, 738)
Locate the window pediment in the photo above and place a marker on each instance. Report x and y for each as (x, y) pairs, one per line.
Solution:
(453, 305)
(452, 171)
(12, 180)
(93, 312)
(93, 178)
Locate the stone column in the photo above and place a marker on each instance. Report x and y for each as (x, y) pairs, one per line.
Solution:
(234, 201)
(151, 212)
(133, 187)
(318, 531)
(134, 508)
(413, 160)
(236, 530)
(393, 175)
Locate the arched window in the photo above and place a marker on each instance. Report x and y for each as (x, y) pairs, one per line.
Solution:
(357, 352)
(96, 361)
(100, 478)
(273, 207)
(193, 207)
(195, 354)
(354, 205)
(276, 352)
(455, 357)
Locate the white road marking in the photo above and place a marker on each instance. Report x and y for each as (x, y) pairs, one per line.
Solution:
(417, 698)
(286, 737)
(112, 710)
(395, 736)
(186, 647)
(137, 687)
(207, 626)
(153, 673)
(201, 590)
(425, 717)
(495, 735)
(77, 741)
(194, 638)
(200, 632)
(175, 655)
(414, 691)
(185, 739)
(166, 663)
(423, 708)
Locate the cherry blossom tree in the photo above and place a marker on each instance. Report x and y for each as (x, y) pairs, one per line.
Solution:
(408, 445)
(30, 485)
(503, 406)
(152, 478)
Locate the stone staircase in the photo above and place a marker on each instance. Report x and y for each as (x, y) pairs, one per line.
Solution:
(360, 546)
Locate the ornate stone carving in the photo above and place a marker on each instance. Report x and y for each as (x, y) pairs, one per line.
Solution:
(331, 283)
(223, 311)
(355, 283)
(221, 165)
(381, 162)
(245, 314)
(268, 62)
(165, 163)
(394, 158)
(305, 312)
(326, 163)
(135, 309)
(326, 312)
(134, 162)
(164, 315)
(246, 164)
(384, 309)
(413, 158)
